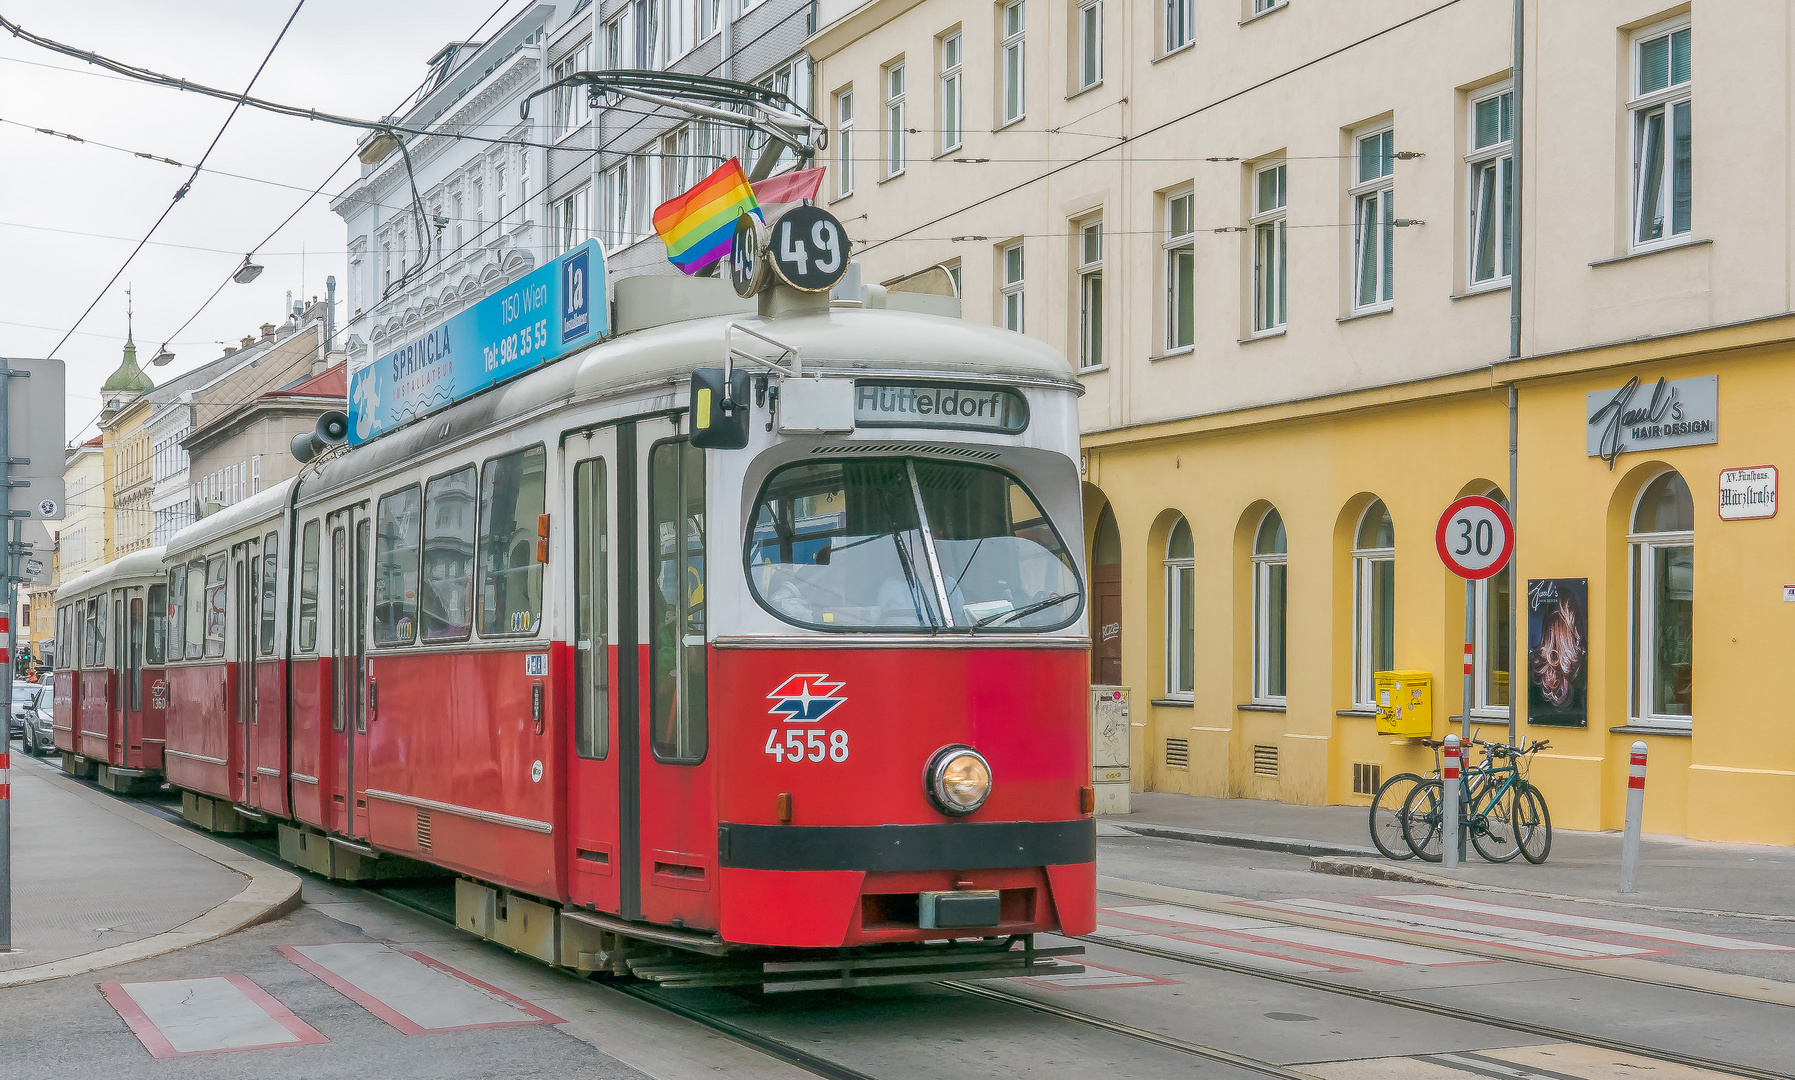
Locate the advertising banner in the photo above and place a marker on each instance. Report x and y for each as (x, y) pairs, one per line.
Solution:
(535, 320)
(1558, 651)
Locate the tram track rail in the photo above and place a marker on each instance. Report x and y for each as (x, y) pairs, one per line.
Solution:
(821, 1066)
(1382, 997)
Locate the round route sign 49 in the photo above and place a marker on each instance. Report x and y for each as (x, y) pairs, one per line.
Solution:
(1475, 537)
(808, 248)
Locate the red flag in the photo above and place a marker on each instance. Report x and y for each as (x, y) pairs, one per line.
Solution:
(790, 187)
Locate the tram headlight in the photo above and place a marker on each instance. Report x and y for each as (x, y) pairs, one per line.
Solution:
(958, 780)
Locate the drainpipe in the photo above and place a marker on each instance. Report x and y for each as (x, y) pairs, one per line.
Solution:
(1516, 657)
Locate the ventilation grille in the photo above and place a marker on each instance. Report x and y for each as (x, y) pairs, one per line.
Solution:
(423, 830)
(972, 452)
(1178, 753)
(1367, 777)
(1265, 761)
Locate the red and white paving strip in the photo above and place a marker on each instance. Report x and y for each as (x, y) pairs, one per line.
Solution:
(1097, 977)
(412, 992)
(179, 1017)
(1606, 926)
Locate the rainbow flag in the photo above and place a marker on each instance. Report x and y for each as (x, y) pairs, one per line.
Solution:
(697, 227)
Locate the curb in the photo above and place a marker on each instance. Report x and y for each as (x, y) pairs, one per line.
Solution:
(270, 894)
(1383, 870)
(1289, 845)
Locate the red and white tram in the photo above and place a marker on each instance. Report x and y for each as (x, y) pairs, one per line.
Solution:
(110, 695)
(824, 692)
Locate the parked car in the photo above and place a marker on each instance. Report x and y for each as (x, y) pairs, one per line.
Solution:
(25, 697)
(40, 727)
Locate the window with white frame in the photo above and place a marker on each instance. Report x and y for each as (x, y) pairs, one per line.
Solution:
(1181, 612)
(1269, 246)
(1090, 293)
(386, 264)
(1271, 577)
(894, 119)
(1089, 41)
(1661, 119)
(676, 163)
(793, 79)
(460, 221)
(523, 185)
(844, 143)
(571, 108)
(1492, 641)
(1180, 24)
(1491, 188)
(478, 192)
(950, 92)
(501, 194)
(953, 272)
(1260, 7)
(645, 188)
(1662, 569)
(573, 226)
(1009, 260)
(1180, 271)
(620, 41)
(614, 207)
(1013, 45)
(1374, 602)
(1374, 219)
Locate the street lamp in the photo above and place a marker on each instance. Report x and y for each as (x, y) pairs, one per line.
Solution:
(248, 272)
(163, 356)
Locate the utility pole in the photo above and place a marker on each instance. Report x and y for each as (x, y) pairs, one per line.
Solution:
(7, 577)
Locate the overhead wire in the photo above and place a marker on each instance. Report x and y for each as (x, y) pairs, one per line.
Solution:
(181, 192)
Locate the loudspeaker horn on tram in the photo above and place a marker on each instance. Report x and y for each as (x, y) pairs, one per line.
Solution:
(332, 430)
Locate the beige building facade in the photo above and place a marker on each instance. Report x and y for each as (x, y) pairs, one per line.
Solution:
(1281, 242)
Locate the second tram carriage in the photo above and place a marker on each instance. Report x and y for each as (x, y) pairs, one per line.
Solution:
(825, 692)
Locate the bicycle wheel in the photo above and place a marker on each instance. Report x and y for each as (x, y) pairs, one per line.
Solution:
(1493, 828)
(1533, 824)
(1386, 815)
(1423, 820)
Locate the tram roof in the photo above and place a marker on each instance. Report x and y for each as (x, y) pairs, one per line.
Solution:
(264, 505)
(843, 340)
(138, 564)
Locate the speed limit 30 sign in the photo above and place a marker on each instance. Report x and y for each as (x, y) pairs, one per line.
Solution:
(1475, 537)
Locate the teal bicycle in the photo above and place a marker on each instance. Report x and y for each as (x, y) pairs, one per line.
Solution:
(1501, 813)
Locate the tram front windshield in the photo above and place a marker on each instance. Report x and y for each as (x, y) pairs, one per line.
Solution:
(908, 544)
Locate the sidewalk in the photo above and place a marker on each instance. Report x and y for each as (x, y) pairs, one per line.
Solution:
(98, 881)
(1674, 874)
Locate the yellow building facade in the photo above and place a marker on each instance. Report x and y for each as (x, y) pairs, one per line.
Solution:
(1281, 243)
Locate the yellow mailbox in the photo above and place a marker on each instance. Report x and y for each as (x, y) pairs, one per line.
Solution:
(1405, 703)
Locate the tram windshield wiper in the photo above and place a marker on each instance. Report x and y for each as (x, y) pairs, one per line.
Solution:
(1027, 609)
(922, 617)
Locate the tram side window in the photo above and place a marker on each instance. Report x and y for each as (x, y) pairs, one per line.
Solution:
(99, 638)
(215, 600)
(177, 610)
(591, 657)
(270, 564)
(448, 585)
(676, 601)
(155, 639)
(396, 568)
(195, 608)
(512, 490)
(308, 587)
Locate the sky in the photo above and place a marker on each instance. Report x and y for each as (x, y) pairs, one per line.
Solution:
(356, 57)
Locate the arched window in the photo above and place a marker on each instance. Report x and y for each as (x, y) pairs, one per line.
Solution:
(1492, 640)
(1270, 599)
(1663, 571)
(1181, 598)
(1374, 601)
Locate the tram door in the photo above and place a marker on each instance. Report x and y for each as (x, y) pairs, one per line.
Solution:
(349, 543)
(124, 666)
(246, 565)
(594, 809)
(675, 830)
(130, 750)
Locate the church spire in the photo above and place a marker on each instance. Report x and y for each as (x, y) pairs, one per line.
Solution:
(129, 380)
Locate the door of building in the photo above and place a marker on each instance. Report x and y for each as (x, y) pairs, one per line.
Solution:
(1106, 601)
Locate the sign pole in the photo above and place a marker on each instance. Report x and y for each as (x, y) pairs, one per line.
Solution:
(1470, 658)
(6, 657)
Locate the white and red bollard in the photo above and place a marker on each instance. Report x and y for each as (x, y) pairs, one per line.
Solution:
(1449, 766)
(1629, 848)
(6, 844)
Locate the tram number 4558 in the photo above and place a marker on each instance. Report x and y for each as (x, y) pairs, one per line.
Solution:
(806, 744)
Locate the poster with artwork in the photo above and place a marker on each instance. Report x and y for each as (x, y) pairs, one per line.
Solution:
(1558, 651)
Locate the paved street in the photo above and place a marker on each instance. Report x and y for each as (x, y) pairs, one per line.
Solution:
(1209, 960)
